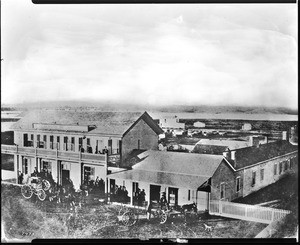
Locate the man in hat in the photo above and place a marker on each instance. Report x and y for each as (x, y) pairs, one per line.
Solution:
(163, 201)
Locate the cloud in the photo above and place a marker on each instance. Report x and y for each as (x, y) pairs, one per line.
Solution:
(157, 55)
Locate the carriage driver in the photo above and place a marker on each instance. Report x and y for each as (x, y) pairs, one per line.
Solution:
(163, 201)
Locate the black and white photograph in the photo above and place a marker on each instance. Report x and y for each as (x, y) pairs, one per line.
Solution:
(147, 121)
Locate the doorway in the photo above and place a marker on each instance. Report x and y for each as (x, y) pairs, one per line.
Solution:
(65, 174)
(202, 200)
(173, 196)
(154, 193)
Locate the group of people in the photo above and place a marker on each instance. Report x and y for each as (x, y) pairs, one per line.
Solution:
(89, 149)
(120, 194)
(94, 187)
(139, 197)
(44, 173)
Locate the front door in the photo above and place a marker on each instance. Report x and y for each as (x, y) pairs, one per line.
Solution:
(202, 200)
(112, 186)
(173, 196)
(154, 193)
(65, 174)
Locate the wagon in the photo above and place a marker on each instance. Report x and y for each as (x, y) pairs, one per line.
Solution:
(129, 216)
(37, 186)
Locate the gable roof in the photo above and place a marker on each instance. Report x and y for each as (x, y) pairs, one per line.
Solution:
(178, 162)
(231, 144)
(250, 155)
(172, 168)
(114, 123)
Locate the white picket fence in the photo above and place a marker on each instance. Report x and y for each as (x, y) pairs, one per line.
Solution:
(246, 212)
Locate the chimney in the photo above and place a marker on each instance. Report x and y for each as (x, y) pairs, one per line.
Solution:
(226, 154)
(233, 155)
(284, 135)
(254, 141)
(266, 139)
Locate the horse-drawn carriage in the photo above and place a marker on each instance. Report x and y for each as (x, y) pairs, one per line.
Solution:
(129, 216)
(37, 186)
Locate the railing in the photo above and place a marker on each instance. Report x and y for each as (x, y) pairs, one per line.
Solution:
(246, 212)
(94, 157)
(39, 152)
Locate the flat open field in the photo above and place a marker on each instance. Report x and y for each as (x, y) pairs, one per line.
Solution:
(25, 219)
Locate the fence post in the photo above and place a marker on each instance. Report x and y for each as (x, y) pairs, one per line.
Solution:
(272, 219)
(220, 207)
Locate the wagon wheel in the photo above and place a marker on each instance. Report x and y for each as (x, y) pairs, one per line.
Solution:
(163, 217)
(128, 218)
(26, 191)
(41, 194)
(122, 210)
(46, 184)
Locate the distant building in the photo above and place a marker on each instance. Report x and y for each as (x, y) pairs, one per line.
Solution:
(224, 143)
(246, 127)
(171, 123)
(199, 124)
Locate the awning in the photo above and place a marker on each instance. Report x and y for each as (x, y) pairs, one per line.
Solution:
(206, 186)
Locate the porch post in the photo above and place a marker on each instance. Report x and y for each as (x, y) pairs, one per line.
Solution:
(58, 171)
(16, 167)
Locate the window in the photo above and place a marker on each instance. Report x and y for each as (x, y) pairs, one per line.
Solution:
(135, 186)
(88, 141)
(58, 142)
(31, 137)
(275, 168)
(38, 138)
(45, 141)
(253, 178)
(222, 190)
(65, 146)
(51, 141)
(286, 165)
(238, 184)
(25, 166)
(280, 167)
(262, 171)
(290, 163)
(139, 144)
(189, 195)
(89, 174)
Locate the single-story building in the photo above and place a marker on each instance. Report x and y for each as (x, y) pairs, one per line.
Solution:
(185, 177)
(199, 124)
(258, 166)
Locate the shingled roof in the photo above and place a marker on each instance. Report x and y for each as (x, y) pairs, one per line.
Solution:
(172, 168)
(209, 149)
(250, 155)
(111, 123)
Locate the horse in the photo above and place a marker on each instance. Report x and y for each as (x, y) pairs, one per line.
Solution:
(189, 207)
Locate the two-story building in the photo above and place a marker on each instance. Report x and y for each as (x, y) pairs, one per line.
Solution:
(79, 144)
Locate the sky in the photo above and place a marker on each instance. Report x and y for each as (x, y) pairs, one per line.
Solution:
(153, 54)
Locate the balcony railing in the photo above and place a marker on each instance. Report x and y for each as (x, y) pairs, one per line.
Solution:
(54, 154)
